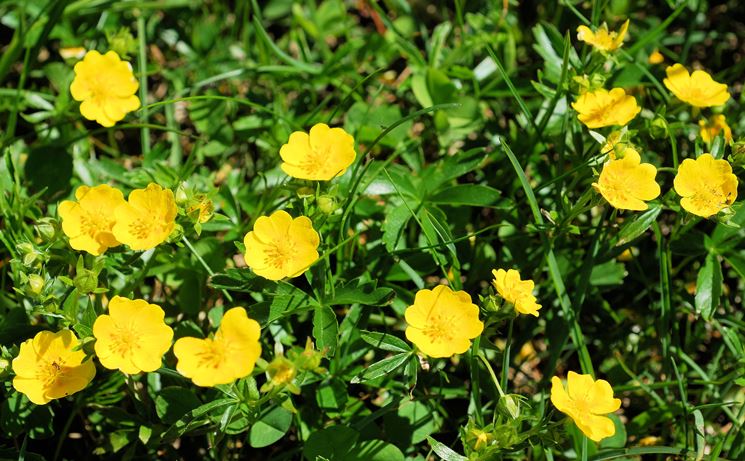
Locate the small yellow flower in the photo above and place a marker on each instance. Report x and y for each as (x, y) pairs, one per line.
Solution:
(133, 337)
(88, 222)
(627, 183)
(655, 58)
(697, 89)
(106, 86)
(322, 155)
(280, 374)
(602, 108)
(48, 367)
(586, 401)
(711, 128)
(603, 40)
(147, 218)
(515, 291)
(706, 184)
(279, 246)
(442, 322)
(230, 355)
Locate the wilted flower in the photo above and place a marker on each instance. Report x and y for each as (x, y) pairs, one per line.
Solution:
(627, 183)
(133, 337)
(280, 246)
(655, 58)
(322, 155)
(587, 402)
(147, 218)
(516, 291)
(600, 108)
(48, 367)
(697, 89)
(602, 39)
(106, 86)
(711, 128)
(230, 355)
(706, 184)
(442, 322)
(89, 221)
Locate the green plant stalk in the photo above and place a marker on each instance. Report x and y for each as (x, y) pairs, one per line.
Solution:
(205, 265)
(142, 65)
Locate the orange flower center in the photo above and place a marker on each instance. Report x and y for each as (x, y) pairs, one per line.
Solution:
(279, 254)
(140, 229)
(94, 221)
(50, 371)
(439, 329)
(316, 162)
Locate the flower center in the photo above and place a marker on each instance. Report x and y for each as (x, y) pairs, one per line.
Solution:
(124, 341)
(93, 222)
(140, 229)
(212, 356)
(316, 161)
(582, 406)
(279, 254)
(51, 371)
(439, 329)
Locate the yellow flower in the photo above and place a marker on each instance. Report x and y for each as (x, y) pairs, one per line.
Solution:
(711, 128)
(586, 401)
(147, 218)
(627, 183)
(602, 39)
(106, 86)
(442, 322)
(279, 246)
(48, 368)
(706, 184)
(515, 291)
(601, 108)
(322, 155)
(656, 58)
(88, 222)
(230, 355)
(133, 337)
(697, 89)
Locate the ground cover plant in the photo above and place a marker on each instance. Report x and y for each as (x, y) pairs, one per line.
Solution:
(372, 231)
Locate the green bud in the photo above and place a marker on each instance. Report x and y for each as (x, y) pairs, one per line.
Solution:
(509, 405)
(305, 192)
(327, 204)
(658, 128)
(4, 365)
(86, 281)
(738, 153)
(177, 234)
(35, 284)
(122, 42)
(46, 228)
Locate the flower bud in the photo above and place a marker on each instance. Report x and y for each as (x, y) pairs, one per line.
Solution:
(122, 42)
(738, 153)
(86, 281)
(46, 228)
(35, 284)
(509, 405)
(658, 128)
(327, 204)
(177, 234)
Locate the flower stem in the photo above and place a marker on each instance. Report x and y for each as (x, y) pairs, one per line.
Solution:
(491, 373)
(506, 355)
(584, 448)
(142, 67)
(204, 264)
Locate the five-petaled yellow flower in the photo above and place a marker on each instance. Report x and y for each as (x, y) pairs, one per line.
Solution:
(515, 291)
(280, 246)
(322, 155)
(602, 108)
(106, 86)
(147, 218)
(230, 355)
(88, 222)
(602, 39)
(587, 402)
(697, 89)
(133, 336)
(711, 128)
(48, 368)
(706, 184)
(442, 322)
(626, 183)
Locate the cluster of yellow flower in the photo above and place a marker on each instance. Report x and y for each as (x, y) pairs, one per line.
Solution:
(101, 219)
(132, 338)
(706, 185)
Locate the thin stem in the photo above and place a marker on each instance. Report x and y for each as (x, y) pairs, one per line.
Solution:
(204, 264)
(584, 448)
(491, 373)
(506, 355)
(142, 65)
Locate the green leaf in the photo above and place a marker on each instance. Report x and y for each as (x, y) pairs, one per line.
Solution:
(394, 223)
(466, 194)
(18, 415)
(270, 427)
(708, 287)
(383, 367)
(444, 452)
(376, 450)
(412, 422)
(332, 395)
(172, 403)
(333, 443)
(365, 293)
(325, 329)
(608, 273)
(385, 341)
(633, 229)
